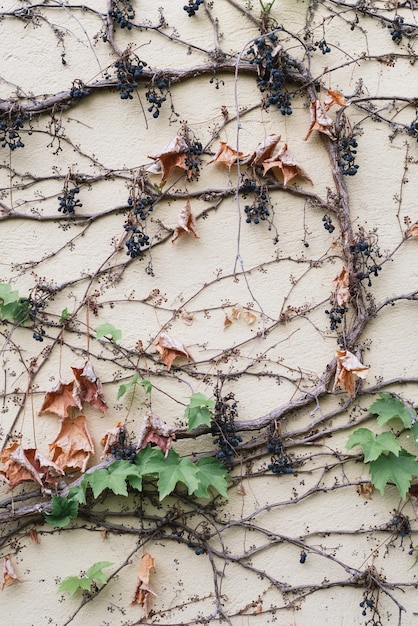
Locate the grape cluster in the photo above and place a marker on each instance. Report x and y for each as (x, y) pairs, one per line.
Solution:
(369, 604)
(141, 206)
(122, 13)
(136, 242)
(192, 7)
(323, 46)
(397, 29)
(35, 306)
(280, 461)
(365, 260)
(9, 133)
(303, 557)
(122, 449)
(78, 90)
(157, 98)
(347, 155)
(259, 208)
(128, 70)
(193, 158)
(328, 225)
(223, 428)
(68, 202)
(335, 316)
(412, 130)
(272, 69)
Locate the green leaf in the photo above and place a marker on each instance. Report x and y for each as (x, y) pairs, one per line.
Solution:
(211, 473)
(373, 445)
(65, 316)
(388, 407)
(78, 494)
(106, 330)
(63, 511)
(114, 478)
(125, 386)
(414, 430)
(71, 584)
(147, 385)
(199, 411)
(397, 469)
(95, 572)
(173, 470)
(7, 295)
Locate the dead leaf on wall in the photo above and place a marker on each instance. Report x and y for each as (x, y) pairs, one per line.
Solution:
(73, 446)
(88, 387)
(171, 349)
(227, 155)
(334, 97)
(172, 156)
(413, 231)
(366, 490)
(110, 438)
(342, 291)
(238, 312)
(264, 150)
(320, 121)
(60, 399)
(348, 367)
(23, 464)
(9, 574)
(144, 593)
(154, 430)
(186, 223)
(285, 165)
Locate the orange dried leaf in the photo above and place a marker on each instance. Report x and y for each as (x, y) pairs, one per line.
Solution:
(186, 223)
(264, 150)
(320, 120)
(413, 231)
(348, 367)
(238, 312)
(154, 430)
(60, 399)
(227, 155)
(366, 490)
(88, 388)
(9, 574)
(170, 349)
(334, 97)
(34, 537)
(285, 164)
(22, 464)
(342, 292)
(172, 156)
(143, 593)
(73, 446)
(110, 438)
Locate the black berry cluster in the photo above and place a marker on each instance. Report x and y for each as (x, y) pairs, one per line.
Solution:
(412, 130)
(35, 307)
(280, 461)
(129, 68)
(323, 46)
(137, 241)
(328, 225)
(192, 7)
(397, 29)
(335, 315)
(68, 201)
(157, 94)
(272, 69)
(78, 90)
(193, 159)
(9, 133)
(259, 209)
(303, 557)
(347, 149)
(365, 260)
(122, 449)
(122, 13)
(369, 605)
(223, 428)
(141, 206)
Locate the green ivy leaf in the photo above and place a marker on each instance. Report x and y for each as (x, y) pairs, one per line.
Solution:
(95, 572)
(172, 470)
(63, 511)
(106, 330)
(397, 469)
(65, 316)
(388, 407)
(414, 430)
(125, 386)
(199, 411)
(114, 478)
(211, 473)
(373, 445)
(147, 385)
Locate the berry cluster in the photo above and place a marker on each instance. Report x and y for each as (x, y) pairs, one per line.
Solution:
(280, 461)
(136, 242)
(369, 604)
(141, 206)
(192, 7)
(365, 261)
(122, 13)
(223, 428)
(397, 29)
(128, 69)
(323, 46)
(303, 557)
(122, 449)
(68, 202)
(328, 225)
(347, 155)
(9, 133)
(335, 316)
(78, 89)
(272, 69)
(412, 130)
(35, 305)
(259, 209)
(193, 159)
(157, 94)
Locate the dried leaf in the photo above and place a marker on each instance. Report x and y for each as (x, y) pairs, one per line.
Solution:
(73, 446)
(186, 223)
(111, 437)
(334, 97)
(348, 367)
(227, 155)
(34, 537)
(320, 121)
(413, 231)
(88, 387)
(238, 312)
(154, 430)
(170, 349)
(143, 592)
(342, 292)
(186, 317)
(366, 490)
(60, 399)
(9, 574)
(172, 156)
(22, 464)
(285, 164)
(263, 151)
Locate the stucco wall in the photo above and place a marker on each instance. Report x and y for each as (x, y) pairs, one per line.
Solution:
(247, 302)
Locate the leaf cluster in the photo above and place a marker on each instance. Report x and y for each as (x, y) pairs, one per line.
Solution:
(86, 582)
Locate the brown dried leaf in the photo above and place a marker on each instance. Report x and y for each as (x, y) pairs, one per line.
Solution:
(227, 155)
(320, 121)
(285, 164)
(186, 317)
(342, 292)
(334, 97)
(263, 151)
(170, 349)
(110, 438)
(154, 430)
(172, 156)
(348, 367)
(186, 223)
(88, 387)
(413, 231)
(60, 399)
(73, 446)
(22, 464)
(9, 574)
(238, 312)
(366, 490)
(143, 592)
(34, 537)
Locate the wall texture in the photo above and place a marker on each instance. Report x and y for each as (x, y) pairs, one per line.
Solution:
(215, 199)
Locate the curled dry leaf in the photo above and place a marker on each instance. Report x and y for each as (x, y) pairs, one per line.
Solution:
(342, 291)
(348, 367)
(9, 574)
(60, 399)
(186, 223)
(154, 430)
(170, 349)
(22, 464)
(73, 446)
(172, 156)
(334, 97)
(285, 164)
(263, 151)
(238, 312)
(366, 490)
(413, 231)
(186, 317)
(143, 592)
(111, 437)
(227, 155)
(320, 121)
(88, 387)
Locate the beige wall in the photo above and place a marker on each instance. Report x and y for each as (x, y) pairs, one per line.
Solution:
(282, 270)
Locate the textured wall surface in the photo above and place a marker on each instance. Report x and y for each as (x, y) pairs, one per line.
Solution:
(283, 271)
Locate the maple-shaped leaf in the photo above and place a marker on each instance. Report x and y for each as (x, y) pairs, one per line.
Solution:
(238, 312)
(348, 367)
(320, 121)
(264, 150)
(285, 164)
(389, 406)
(9, 575)
(227, 155)
(172, 156)
(22, 464)
(143, 592)
(342, 288)
(373, 445)
(73, 446)
(154, 430)
(334, 97)
(397, 469)
(111, 437)
(171, 349)
(211, 475)
(60, 399)
(173, 470)
(186, 223)
(113, 477)
(88, 387)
